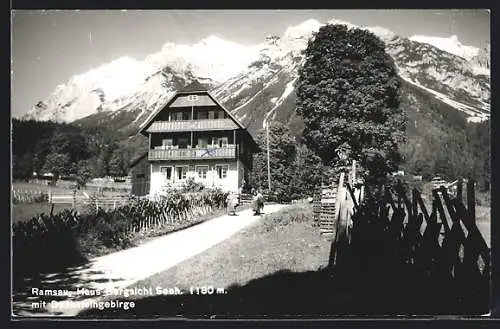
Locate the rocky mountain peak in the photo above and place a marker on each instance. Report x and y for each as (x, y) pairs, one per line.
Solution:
(242, 74)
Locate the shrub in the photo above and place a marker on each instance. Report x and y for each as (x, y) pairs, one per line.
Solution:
(53, 242)
(192, 186)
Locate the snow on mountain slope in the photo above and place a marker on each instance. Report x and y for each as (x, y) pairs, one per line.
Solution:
(212, 57)
(449, 78)
(480, 63)
(474, 115)
(451, 45)
(255, 82)
(442, 72)
(115, 85)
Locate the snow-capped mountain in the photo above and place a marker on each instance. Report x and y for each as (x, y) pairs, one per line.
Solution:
(451, 45)
(257, 82)
(265, 89)
(126, 82)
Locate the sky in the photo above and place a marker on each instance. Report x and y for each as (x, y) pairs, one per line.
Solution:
(49, 46)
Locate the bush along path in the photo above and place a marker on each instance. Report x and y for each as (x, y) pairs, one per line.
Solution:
(52, 242)
(74, 289)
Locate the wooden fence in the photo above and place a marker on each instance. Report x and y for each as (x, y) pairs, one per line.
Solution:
(28, 195)
(333, 205)
(160, 216)
(81, 201)
(439, 250)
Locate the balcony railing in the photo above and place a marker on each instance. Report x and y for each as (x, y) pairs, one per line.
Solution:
(187, 125)
(228, 152)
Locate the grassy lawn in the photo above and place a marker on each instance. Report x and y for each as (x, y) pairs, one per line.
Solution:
(275, 267)
(272, 244)
(26, 211)
(283, 242)
(63, 189)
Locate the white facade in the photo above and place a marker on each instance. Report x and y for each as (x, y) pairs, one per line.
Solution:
(224, 174)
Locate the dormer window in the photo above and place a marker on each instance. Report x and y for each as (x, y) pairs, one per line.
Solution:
(192, 98)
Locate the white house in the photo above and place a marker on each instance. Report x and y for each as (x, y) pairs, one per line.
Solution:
(193, 136)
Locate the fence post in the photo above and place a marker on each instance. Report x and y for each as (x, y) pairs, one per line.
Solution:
(340, 196)
(50, 194)
(459, 189)
(471, 199)
(74, 199)
(353, 173)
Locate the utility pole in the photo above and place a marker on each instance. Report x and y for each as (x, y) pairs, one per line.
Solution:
(268, 161)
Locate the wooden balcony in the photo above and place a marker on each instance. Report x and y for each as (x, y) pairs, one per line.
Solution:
(191, 125)
(228, 152)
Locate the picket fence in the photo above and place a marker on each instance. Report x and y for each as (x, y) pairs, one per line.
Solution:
(28, 195)
(394, 231)
(81, 200)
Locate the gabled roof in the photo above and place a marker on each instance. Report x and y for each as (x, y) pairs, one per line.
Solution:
(148, 122)
(194, 86)
(137, 159)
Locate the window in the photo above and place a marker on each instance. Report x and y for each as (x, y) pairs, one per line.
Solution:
(202, 115)
(202, 171)
(178, 116)
(166, 171)
(192, 98)
(220, 141)
(181, 172)
(167, 142)
(183, 143)
(221, 115)
(185, 115)
(221, 171)
(211, 115)
(202, 141)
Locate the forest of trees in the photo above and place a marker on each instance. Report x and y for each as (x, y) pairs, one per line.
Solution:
(462, 153)
(66, 150)
(295, 170)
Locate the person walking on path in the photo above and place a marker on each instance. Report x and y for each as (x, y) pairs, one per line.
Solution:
(258, 202)
(232, 203)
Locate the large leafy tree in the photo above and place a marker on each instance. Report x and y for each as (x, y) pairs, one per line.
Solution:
(118, 163)
(23, 166)
(83, 173)
(70, 142)
(347, 95)
(57, 164)
(307, 173)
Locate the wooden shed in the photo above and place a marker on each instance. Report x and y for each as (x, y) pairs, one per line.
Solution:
(140, 171)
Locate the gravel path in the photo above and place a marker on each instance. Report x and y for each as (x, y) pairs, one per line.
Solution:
(122, 269)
